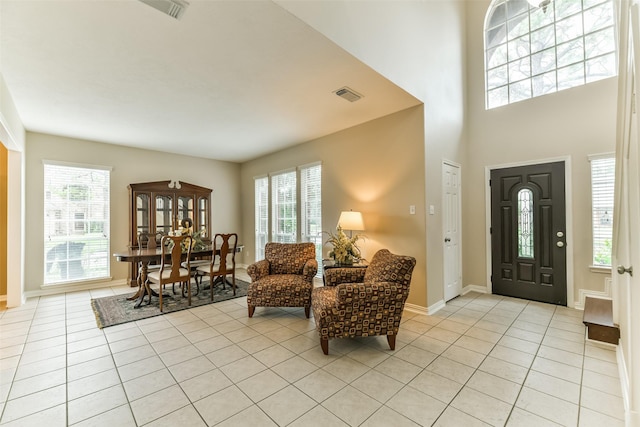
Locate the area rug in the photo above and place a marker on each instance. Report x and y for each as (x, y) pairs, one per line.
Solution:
(115, 310)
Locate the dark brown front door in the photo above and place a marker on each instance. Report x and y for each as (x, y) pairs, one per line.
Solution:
(528, 234)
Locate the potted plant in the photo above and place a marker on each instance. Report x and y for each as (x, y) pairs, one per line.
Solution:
(345, 250)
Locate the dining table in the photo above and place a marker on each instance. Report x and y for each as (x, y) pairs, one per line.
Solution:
(145, 256)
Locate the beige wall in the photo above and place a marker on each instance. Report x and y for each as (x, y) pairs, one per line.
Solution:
(129, 165)
(574, 123)
(376, 168)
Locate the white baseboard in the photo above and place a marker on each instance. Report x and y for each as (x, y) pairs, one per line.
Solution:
(583, 293)
(53, 290)
(434, 308)
(475, 288)
(624, 382)
(418, 309)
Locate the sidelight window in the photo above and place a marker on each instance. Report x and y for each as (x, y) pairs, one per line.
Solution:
(602, 182)
(525, 223)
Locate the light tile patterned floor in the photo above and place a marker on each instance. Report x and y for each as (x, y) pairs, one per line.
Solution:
(482, 360)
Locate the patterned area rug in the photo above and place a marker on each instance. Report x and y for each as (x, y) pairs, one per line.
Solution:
(115, 310)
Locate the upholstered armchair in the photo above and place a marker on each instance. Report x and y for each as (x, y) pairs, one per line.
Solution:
(284, 278)
(363, 302)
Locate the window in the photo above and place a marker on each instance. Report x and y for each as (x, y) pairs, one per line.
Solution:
(76, 223)
(531, 51)
(602, 182)
(284, 203)
(262, 215)
(311, 209)
(293, 213)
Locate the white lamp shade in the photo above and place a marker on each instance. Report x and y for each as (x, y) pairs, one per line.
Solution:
(350, 220)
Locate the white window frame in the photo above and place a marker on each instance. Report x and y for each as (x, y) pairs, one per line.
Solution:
(602, 172)
(76, 232)
(526, 49)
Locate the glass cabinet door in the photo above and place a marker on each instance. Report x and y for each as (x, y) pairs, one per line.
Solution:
(164, 213)
(203, 215)
(142, 213)
(185, 208)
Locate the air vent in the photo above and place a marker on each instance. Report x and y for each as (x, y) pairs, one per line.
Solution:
(173, 8)
(348, 94)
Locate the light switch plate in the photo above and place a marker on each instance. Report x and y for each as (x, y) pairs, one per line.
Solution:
(412, 209)
(432, 210)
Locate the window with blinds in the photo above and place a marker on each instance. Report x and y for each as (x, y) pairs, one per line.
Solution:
(284, 219)
(262, 215)
(290, 205)
(76, 223)
(602, 182)
(311, 206)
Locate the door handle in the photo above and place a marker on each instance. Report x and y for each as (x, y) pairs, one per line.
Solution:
(622, 270)
(447, 239)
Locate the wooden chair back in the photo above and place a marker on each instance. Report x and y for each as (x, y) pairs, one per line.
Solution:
(149, 240)
(172, 256)
(227, 244)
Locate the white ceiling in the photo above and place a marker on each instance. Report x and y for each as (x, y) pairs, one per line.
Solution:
(232, 80)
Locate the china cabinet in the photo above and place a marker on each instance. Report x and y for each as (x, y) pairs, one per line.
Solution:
(161, 206)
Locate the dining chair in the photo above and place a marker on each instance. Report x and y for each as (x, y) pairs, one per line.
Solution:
(223, 261)
(148, 240)
(172, 272)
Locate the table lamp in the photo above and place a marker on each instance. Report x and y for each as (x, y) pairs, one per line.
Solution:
(352, 221)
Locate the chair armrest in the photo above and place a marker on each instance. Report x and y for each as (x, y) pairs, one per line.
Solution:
(379, 293)
(258, 270)
(310, 269)
(336, 276)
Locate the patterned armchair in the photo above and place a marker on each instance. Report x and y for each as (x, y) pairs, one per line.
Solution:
(363, 302)
(284, 278)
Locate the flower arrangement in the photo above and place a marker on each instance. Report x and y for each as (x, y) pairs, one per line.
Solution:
(186, 228)
(345, 250)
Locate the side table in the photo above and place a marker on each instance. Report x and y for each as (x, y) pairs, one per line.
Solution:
(329, 263)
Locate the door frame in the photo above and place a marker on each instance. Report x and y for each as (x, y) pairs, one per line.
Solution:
(568, 213)
(459, 224)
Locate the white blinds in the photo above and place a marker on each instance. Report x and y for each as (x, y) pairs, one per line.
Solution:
(602, 181)
(76, 223)
(311, 207)
(262, 215)
(284, 205)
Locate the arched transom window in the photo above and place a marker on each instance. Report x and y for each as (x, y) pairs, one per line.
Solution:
(532, 51)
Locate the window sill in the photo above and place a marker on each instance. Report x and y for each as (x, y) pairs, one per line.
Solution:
(601, 269)
(72, 283)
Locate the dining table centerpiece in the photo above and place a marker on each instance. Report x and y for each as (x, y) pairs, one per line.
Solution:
(186, 229)
(345, 249)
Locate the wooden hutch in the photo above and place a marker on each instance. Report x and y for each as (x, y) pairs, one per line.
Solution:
(161, 206)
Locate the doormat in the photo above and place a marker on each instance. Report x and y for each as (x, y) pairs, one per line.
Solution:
(115, 310)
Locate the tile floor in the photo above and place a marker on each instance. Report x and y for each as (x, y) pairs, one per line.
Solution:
(482, 360)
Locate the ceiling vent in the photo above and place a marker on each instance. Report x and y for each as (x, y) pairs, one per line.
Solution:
(348, 94)
(173, 8)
